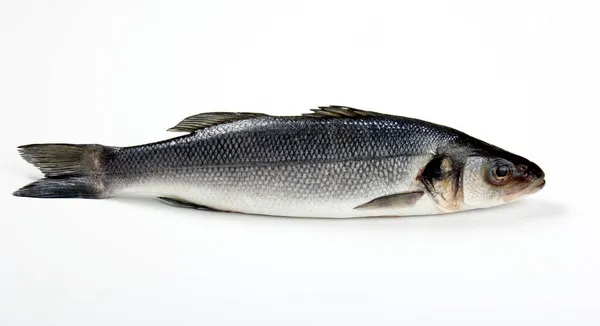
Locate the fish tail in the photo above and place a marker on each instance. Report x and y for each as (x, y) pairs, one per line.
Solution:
(70, 171)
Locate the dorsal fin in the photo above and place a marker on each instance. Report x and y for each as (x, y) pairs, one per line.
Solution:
(337, 111)
(209, 119)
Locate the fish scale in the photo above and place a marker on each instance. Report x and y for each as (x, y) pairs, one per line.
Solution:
(280, 140)
(294, 163)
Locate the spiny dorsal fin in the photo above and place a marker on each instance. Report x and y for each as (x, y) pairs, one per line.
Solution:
(337, 111)
(209, 119)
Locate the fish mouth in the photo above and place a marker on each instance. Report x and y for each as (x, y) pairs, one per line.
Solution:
(536, 186)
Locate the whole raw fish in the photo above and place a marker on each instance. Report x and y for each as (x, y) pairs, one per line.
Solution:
(333, 162)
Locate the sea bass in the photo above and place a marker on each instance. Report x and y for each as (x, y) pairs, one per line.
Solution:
(335, 162)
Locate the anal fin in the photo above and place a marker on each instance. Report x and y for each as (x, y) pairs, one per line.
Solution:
(405, 199)
(184, 204)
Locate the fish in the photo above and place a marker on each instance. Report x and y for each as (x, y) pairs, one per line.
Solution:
(330, 162)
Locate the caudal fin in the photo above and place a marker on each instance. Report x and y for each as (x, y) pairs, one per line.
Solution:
(71, 171)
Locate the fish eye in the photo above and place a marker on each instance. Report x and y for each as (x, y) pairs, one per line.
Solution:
(499, 174)
(502, 171)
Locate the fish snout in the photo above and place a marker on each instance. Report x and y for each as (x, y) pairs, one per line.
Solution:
(534, 175)
(531, 171)
(536, 171)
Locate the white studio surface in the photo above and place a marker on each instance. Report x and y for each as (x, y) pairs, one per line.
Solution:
(523, 75)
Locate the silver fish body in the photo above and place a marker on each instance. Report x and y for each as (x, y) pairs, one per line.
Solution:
(337, 162)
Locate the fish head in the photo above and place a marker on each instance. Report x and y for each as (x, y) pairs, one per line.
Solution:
(479, 175)
(498, 179)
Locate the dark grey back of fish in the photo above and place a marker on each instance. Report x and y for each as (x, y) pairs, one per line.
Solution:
(280, 140)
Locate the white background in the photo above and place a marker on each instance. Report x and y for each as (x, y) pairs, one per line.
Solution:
(524, 75)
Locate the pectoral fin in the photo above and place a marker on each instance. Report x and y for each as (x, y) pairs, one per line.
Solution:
(405, 199)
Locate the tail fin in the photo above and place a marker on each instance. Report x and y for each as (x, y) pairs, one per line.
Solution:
(71, 171)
